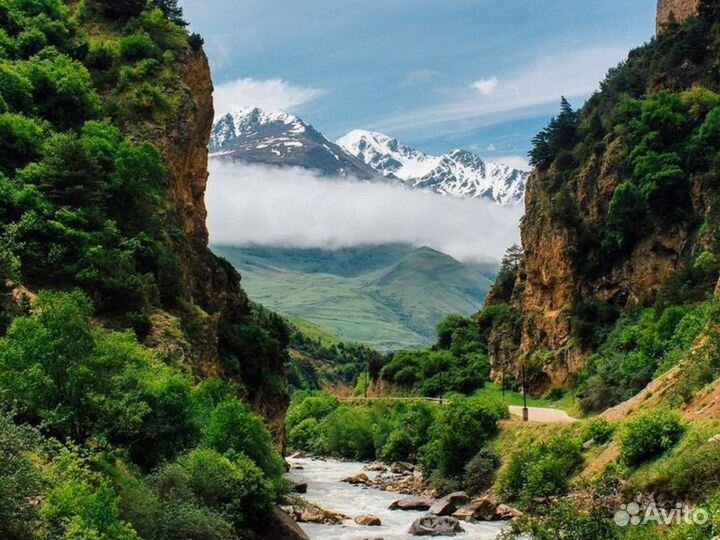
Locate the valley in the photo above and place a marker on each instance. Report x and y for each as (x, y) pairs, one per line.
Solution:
(389, 297)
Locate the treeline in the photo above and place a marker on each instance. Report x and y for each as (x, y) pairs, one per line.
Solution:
(450, 442)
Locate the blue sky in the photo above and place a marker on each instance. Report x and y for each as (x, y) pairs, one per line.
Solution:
(438, 74)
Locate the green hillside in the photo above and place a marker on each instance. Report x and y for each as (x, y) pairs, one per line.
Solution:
(390, 296)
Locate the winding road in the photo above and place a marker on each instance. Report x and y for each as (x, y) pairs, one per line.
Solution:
(546, 416)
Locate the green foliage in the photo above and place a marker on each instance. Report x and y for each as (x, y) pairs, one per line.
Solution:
(543, 469)
(461, 431)
(649, 435)
(599, 430)
(455, 364)
(20, 141)
(479, 473)
(232, 426)
(641, 345)
(20, 480)
(138, 47)
(558, 137)
(565, 519)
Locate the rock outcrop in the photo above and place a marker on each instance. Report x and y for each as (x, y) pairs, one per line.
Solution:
(677, 9)
(209, 287)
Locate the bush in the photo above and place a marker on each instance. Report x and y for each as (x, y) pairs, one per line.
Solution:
(233, 426)
(232, 485)
(649, 435)
(541, 470)
(20, 141)
(598, 430)
(460, 432)
(480, 471)
(138, 47)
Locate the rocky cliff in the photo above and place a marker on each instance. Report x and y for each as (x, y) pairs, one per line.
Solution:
(677, 9)
(215, 301)
(590, 255)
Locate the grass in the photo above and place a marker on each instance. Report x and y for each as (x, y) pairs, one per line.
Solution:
(314, 331)
(387, 297)
(567, 403)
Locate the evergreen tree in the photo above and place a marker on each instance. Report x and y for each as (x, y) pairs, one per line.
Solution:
(172, 10)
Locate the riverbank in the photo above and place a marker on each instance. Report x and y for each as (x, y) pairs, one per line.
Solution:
(325, 489)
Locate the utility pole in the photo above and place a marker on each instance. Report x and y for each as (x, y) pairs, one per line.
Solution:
(526, 412)
(502, 383)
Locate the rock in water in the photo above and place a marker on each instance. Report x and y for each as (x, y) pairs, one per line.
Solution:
(368, 520)
(400, 467)
(449, 504)
(436, 526)
(357, 480)
(412, 503)
(480, 509)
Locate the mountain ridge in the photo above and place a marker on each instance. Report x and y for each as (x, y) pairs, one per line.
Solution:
(458, 173)
(389, 296)
(252, 135)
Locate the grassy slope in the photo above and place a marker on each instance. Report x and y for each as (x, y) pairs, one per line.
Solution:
(387, 297)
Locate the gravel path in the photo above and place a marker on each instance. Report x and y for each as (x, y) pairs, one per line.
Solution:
(547, 416)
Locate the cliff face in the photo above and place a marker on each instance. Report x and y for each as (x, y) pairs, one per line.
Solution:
(578, 271)
(679, 9)
(214, 304)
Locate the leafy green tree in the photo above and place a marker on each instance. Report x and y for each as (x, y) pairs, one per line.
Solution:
(21, 140)
(20, 480)
(234, 427)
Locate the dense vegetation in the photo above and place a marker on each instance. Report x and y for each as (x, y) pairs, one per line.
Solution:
(126, 446)
(450, 441)
(101, 437)
(456, 363)
(324, 362)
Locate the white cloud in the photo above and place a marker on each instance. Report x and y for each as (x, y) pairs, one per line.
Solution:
(524, 93)
(516, 162)
(491, 148)
(251, 204)
(271, 94)
(486, 86)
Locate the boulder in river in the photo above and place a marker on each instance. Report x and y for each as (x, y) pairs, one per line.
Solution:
(412, 503)
(300, 487)
(376, 467)
(484, 509)
(368, 520)
(358, 480)
(449, 504)
(435, 526)
(400, 467)
(305, 512)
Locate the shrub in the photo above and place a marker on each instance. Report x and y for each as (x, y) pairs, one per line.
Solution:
(233, 485)
(460, 432)
(233, 426)
(20, 141)
(20, 479)
(541, 470)
(598, 430)
(649, 435)
(480, 471)
(138, 47)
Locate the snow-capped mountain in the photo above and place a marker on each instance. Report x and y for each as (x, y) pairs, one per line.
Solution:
(458, 173)
(277, 138)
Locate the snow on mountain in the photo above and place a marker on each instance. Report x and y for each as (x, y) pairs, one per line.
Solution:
(276, 138)
(458, 173)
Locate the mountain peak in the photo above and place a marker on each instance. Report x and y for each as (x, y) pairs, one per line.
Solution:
(254, 135)
(459, 173)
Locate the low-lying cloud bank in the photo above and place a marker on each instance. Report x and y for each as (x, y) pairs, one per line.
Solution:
(252, 204)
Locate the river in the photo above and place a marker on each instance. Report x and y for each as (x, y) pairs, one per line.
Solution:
(326, 490)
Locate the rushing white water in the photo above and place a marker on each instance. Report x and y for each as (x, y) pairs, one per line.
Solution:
(326, 490)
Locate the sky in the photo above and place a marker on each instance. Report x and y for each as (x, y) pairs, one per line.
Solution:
(484, 75)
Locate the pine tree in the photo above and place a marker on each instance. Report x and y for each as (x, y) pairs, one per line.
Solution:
(172, 10)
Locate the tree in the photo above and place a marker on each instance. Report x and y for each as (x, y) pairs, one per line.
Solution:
(172, 11)
(121, 8)
(560, 134)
